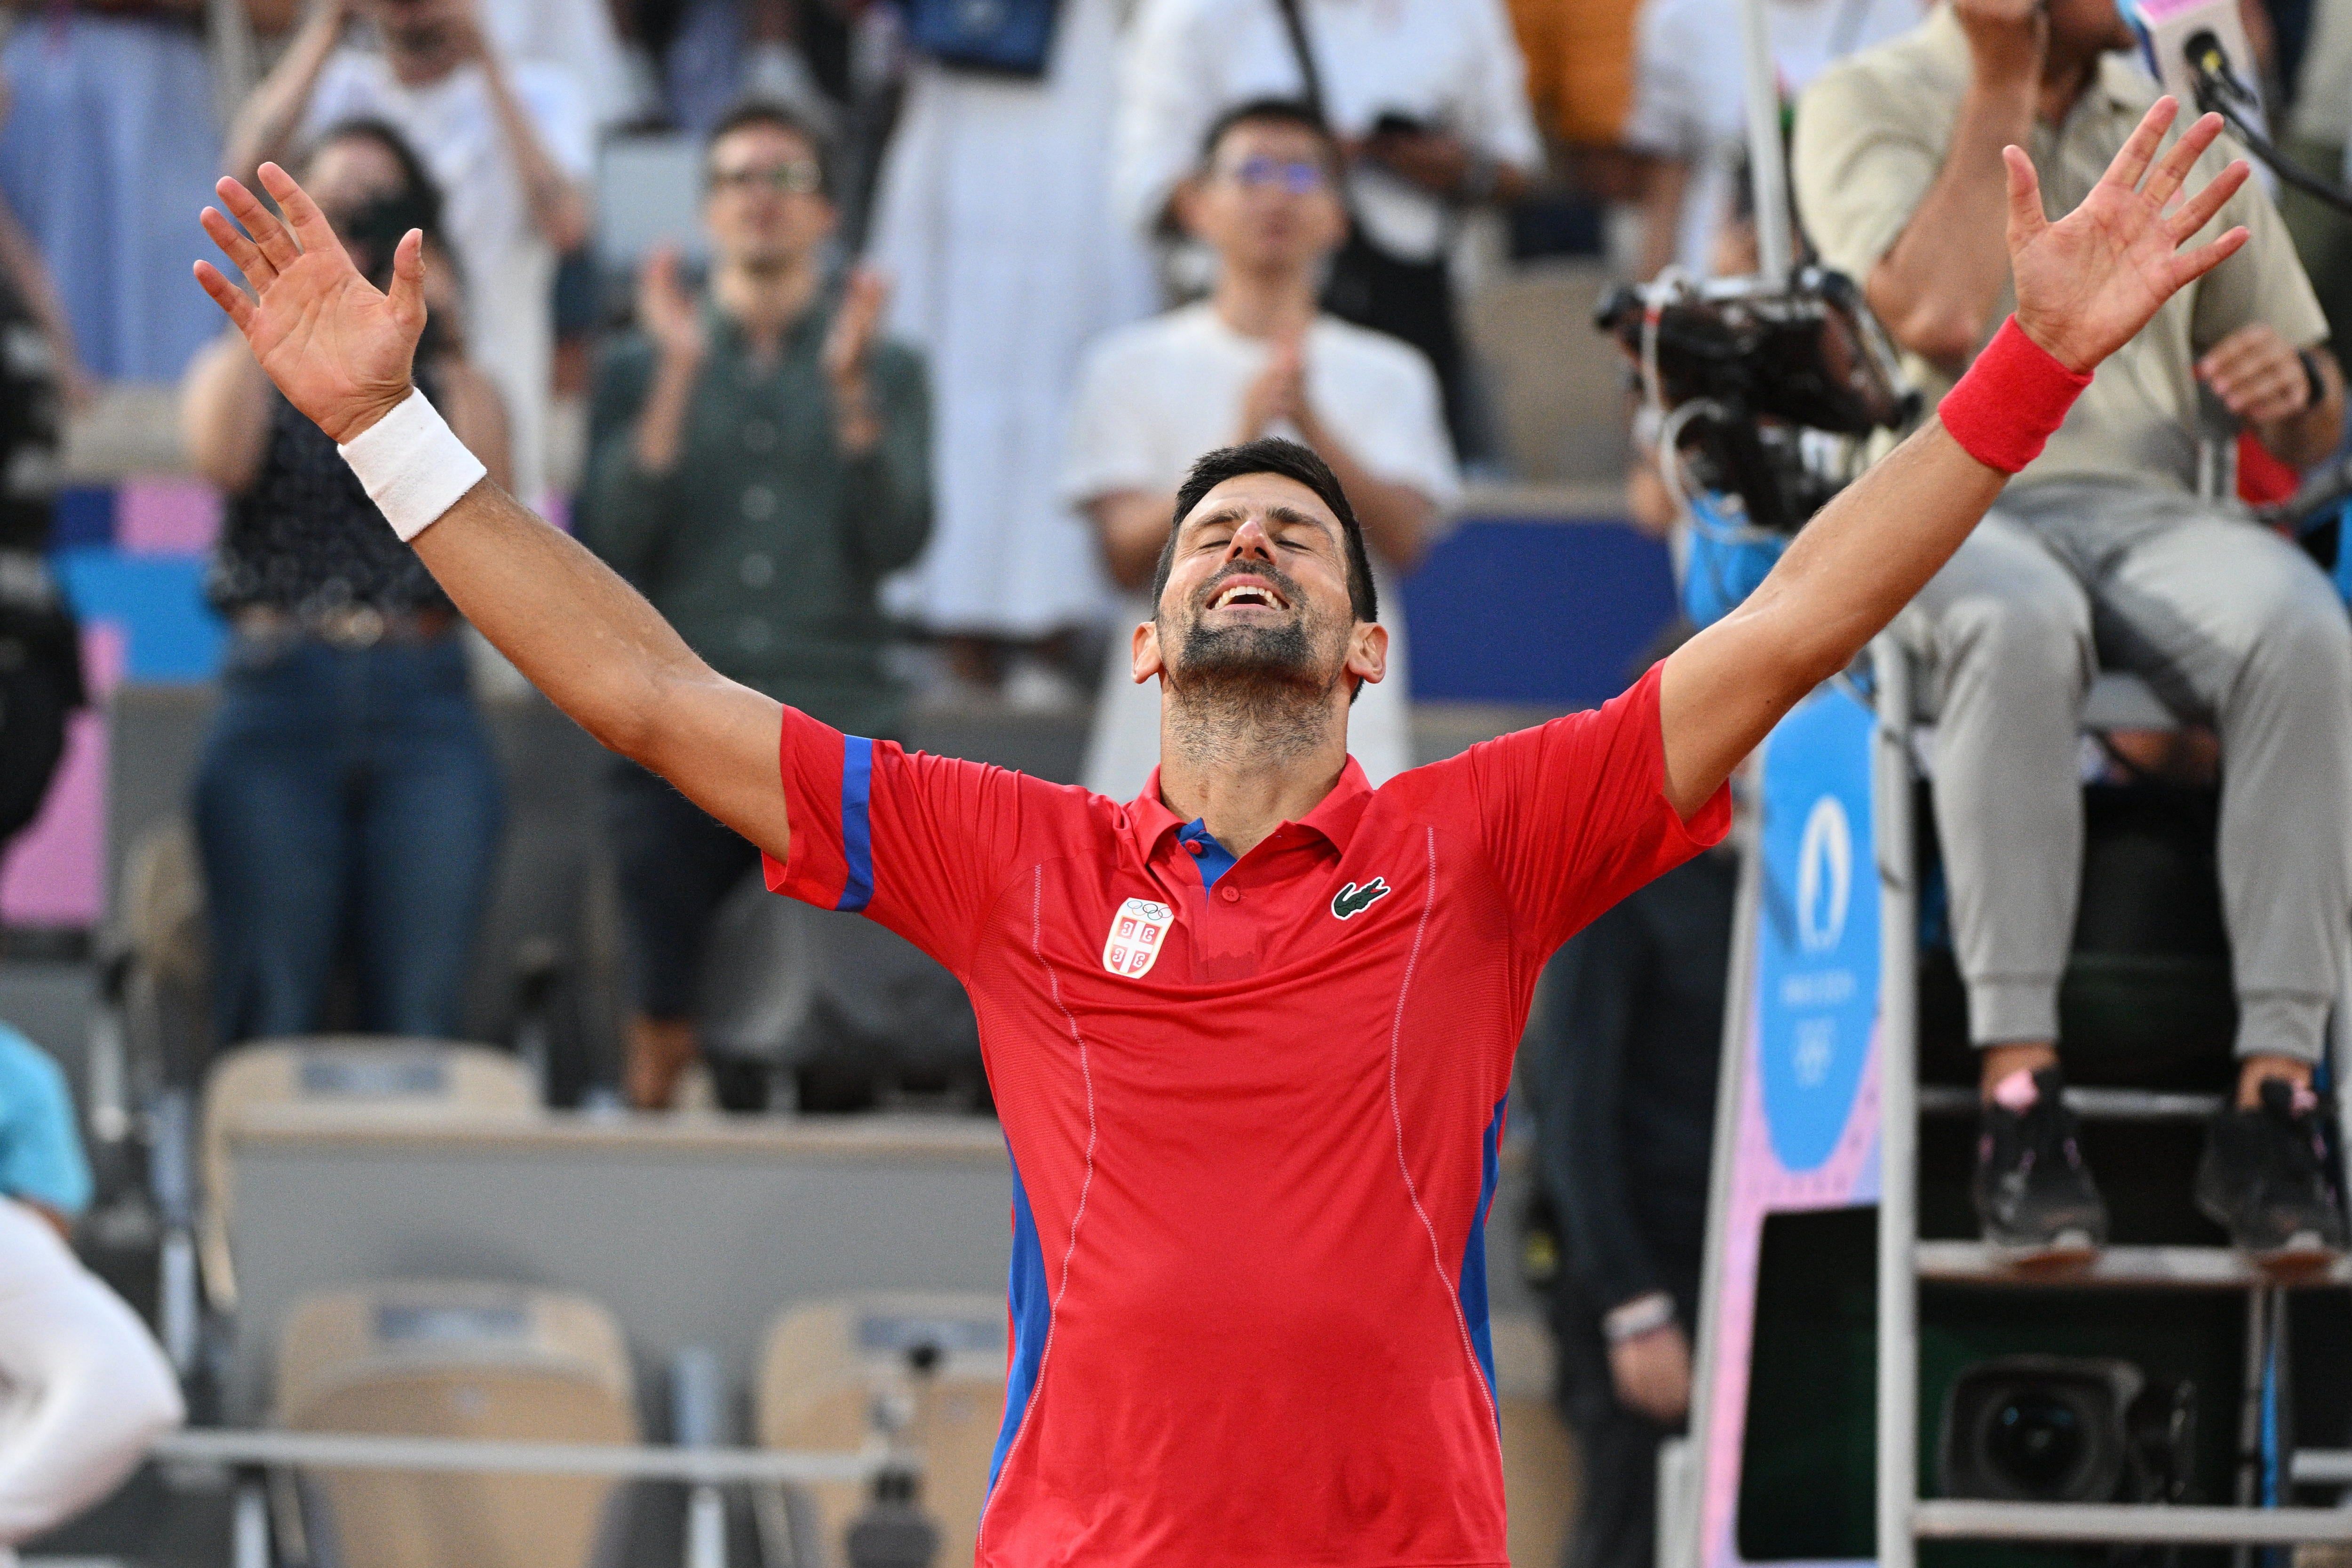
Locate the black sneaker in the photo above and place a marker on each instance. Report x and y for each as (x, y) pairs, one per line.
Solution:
(2035, 1195)
(2264, 1179)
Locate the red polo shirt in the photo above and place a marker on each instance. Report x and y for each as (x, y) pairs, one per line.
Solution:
(1253, 1127)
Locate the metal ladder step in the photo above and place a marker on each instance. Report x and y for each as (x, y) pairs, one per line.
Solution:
(2090, 1104)
(2181, 1524)
(2321, 1467)
(2156, 1267)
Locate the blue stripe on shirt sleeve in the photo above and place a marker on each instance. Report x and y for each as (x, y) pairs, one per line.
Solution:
(856, 830)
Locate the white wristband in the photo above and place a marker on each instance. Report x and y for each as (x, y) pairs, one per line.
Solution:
(412, 465)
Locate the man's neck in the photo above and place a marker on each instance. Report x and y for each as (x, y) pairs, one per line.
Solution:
(1244, 780)
(2065, 80)
(764, 300)
(415, 68)
(1268, 304)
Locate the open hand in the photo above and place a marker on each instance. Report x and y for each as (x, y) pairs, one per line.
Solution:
(338, 350)
(2090, 281)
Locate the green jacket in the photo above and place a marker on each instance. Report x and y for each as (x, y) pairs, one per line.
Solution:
(763, 544)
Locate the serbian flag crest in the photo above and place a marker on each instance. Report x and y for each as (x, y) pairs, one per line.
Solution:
(1138, 933)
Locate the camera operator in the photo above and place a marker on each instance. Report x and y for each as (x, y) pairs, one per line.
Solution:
(2101, 548)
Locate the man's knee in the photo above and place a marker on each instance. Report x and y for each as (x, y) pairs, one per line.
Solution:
(2028, 628)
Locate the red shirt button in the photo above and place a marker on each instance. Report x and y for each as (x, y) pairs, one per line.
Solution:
(1232, 895)
(1194, 846)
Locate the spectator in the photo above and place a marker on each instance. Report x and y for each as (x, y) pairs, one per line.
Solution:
(42, 1165)
(40, 647)
(2102, 549)
(83, 1388)
(1255, 359)
(1428, 100)
(761, 461)
(347, 773)
(1622, 1062)
(992, 216)
(110, 137)
(509, 144)
(707, 55)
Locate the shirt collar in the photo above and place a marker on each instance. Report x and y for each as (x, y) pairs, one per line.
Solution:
(1334, 816)
(726, 333)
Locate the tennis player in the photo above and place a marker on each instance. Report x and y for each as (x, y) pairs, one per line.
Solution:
(1249, 1032)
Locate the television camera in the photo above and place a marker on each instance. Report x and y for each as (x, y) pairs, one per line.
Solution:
(1766, 390)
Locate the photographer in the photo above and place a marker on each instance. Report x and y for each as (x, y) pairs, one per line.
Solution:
(347, 769)
(2102, 551)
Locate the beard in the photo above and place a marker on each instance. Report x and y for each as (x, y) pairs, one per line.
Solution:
(1253, 690)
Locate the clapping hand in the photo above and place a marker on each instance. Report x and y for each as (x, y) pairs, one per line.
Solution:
(665, 312)
(339, 349)
(1277, 395)
(2089, 282)
(848, 346)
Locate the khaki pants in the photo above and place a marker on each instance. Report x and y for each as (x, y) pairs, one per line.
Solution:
(2232, 626)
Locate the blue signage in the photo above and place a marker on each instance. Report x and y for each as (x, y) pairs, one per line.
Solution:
(1817, 934)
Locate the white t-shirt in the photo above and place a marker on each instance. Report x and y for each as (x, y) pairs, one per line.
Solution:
(1448, 64)
(1157, 396)
(83, 1388)
(510, 319)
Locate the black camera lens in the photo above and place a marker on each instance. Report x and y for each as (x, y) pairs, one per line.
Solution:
(2036, 1442)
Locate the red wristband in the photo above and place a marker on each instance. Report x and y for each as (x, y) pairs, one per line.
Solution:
(2004, 410)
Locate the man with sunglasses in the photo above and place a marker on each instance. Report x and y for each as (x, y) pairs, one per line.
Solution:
(760, 461)
(1257, 357)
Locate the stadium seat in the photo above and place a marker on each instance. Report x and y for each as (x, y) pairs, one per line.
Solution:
(824, 1369)
(422, 1077)
(460, 1361)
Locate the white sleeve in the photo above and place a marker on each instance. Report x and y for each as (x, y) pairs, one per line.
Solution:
(344, 91)
(87, 1388)
(558, 111)
(1110, 445)
(1501, 124)
(1167, 97)
(1411, 446)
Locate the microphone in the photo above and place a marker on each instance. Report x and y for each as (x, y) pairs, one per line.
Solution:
(2199, 50)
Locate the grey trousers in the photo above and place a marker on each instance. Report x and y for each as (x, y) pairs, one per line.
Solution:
(2232, 626)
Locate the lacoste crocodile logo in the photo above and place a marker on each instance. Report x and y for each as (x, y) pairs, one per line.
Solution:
(1353, 901)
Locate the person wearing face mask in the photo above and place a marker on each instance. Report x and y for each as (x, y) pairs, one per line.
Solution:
(760, 460)
(347, 769)
(510, 142)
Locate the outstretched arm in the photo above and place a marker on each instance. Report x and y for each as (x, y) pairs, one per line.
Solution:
(2085, 285)
(341, 353)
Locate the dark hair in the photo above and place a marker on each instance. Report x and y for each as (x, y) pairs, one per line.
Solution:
(1289, 111)
(776, 116)
(376, 227)
(1272, 455)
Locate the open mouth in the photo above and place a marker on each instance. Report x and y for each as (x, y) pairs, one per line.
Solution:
(1247, 591)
